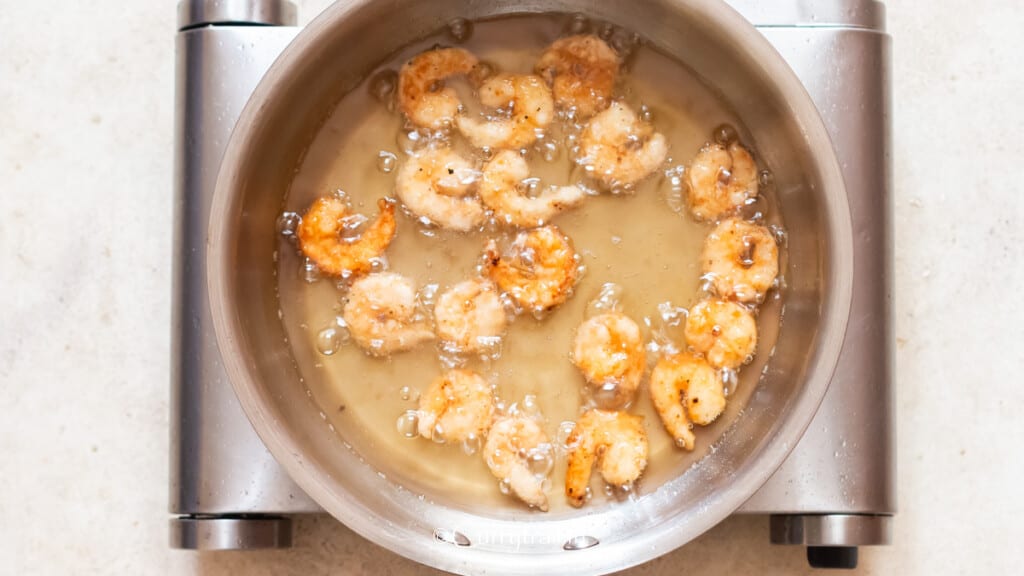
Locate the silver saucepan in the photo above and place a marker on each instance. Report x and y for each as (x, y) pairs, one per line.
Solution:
(330, 57)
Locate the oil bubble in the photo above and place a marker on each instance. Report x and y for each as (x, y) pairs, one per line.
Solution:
(471, 445)
(309, 271)
(460, 30)
(408, 424)
(726, 134)
(386, 161)
(383, 85)
(540, 461)
(330, 339)
(577, 24)
(565, 430)
(608, 299)
(288, 224)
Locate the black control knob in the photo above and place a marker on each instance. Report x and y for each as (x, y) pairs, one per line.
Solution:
(836, 557)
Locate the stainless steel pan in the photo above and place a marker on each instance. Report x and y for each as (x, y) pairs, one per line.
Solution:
(330, 57)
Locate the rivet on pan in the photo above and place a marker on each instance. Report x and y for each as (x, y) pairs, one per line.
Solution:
(451, 537)
(580, 543)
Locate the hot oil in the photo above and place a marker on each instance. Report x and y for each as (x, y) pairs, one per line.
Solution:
(636, 241)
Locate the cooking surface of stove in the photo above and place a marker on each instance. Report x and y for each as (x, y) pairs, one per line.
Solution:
(835, 491)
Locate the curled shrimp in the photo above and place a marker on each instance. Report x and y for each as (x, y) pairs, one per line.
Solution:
(721, 179)
(539, 271)
(526, 98)
(619, 149)
(582, 71)
(434, 185)
(740, 259)
(499, 189)
(381, 314)
(615, 440)
(609, 351)
(686, 388)
(469, 317)
(458, 406)
(320, 239)
(724, 331)
(422, 95)
(512, 443)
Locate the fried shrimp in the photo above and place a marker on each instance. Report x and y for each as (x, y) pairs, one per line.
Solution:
(582, 71)
(422, 95)
(609, 351)
(721, 179)
(435, 184)
(320, 239)
(500, 190)
(381, 314)
(619, 149)
(539, 271)
(512, 443)
(469, 317)
(686, 388)
(740, 259)
(527, 100)
(615, 440)
(458, 406)
(724, 331)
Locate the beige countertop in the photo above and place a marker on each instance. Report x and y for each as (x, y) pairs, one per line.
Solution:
(86, 107)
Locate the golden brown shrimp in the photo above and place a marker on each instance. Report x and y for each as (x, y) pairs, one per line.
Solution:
(539, 271)
(615, 440)
(512, 443)
(381, 314)
(724, 331)
(458, 406)
(686, 388)
(500, 191)
(619, 149)
(434, 186)
(320, 239)
(721, 179)
(582, 71)
(422, 95)
(525, 97)
(740, 259)
(469, 317)
(609, 351)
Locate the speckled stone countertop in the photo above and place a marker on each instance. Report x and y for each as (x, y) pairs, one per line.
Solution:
(86, 107)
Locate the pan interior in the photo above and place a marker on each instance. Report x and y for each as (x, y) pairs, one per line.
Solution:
(329, 59)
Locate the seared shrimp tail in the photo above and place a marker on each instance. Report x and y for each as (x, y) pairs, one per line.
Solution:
(582, 71)
(320, 240)
(458, 406)
(381, 314)
(614, 440)
(422, 95)
(618, 149)
(721, 179)
(609, 351)
(470, 316)
(511, 443)
(741, 260)
(531, 109)
(685, 389)
(723, 331)
(538, 272)
(499, 190)
(434, 186)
